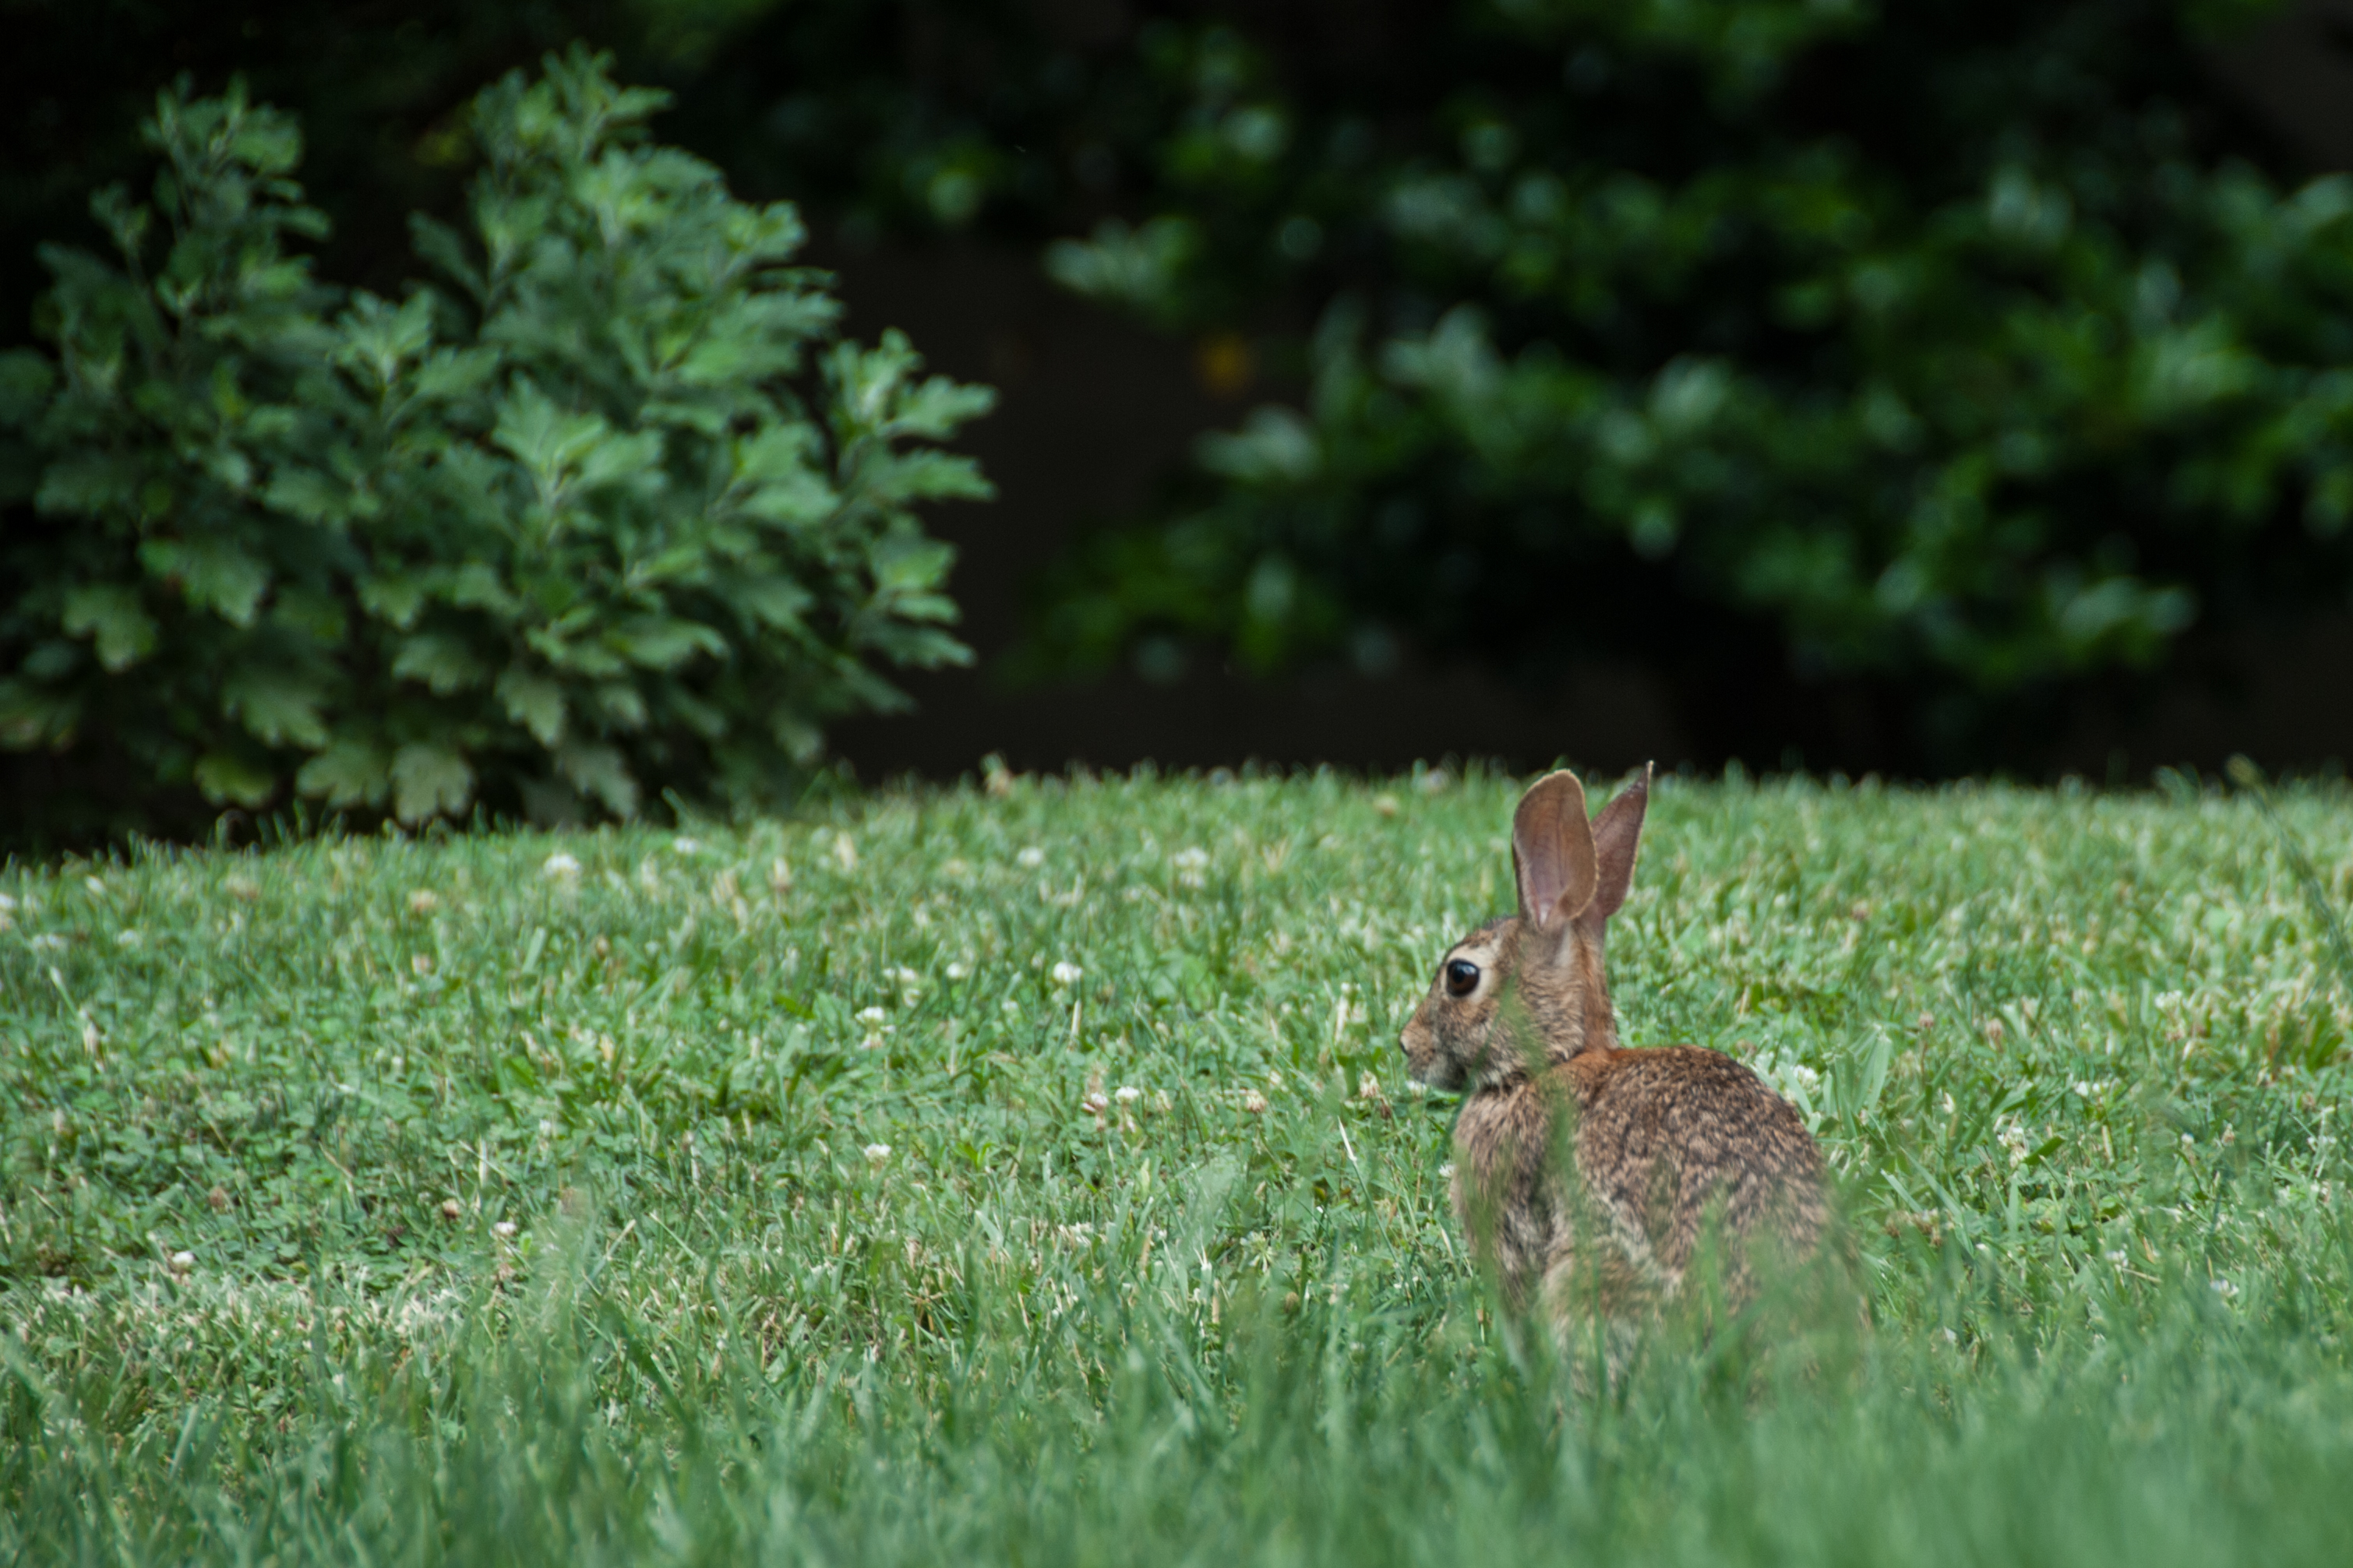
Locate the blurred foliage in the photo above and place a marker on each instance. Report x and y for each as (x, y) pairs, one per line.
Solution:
(1948, 356)
(1931, 366)
(605, 509)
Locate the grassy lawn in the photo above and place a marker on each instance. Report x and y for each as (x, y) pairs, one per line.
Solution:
(1031, 1176)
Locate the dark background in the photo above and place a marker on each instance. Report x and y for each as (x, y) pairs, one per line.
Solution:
(1096, 411)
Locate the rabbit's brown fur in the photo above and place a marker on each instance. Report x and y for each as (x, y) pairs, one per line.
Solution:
(1657, 1142)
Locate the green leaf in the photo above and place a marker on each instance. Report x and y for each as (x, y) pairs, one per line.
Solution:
(223, 776)
(89, 484)
(441, 246)
(1138, 267)
(912, 565)
(427, 780)
(443, 664)
(599, 770)
(212, 574)
(663, 642)
(536, 703)
(477, 588)
(348, 773)
(278, 707)
(308, 495)
(450, 373)
(393, 597)
(124, 632)
(622, 705)
(776, 601)
(580, 657)
(380, 339)
(550, 443)
(615, 458)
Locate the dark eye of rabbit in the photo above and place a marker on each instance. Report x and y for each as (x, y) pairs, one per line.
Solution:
(1462, 977)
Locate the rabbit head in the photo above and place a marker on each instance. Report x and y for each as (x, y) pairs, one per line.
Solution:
(1527, 989)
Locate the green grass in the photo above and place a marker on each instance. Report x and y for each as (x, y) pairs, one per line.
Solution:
(2078, 1061)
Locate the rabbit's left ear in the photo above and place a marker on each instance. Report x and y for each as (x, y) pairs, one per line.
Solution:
(1552, 850)
(1616, 836)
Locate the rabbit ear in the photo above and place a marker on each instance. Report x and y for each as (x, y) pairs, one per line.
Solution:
(1617, 835)
(1552, 850)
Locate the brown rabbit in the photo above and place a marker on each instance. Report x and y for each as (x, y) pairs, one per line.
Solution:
(1657, 1142)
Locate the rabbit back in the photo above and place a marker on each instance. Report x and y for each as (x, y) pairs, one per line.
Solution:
(1670, 1139)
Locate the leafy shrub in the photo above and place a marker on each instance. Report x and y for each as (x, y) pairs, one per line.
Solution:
(1957, 351)
(606, 508)
(1955, 358)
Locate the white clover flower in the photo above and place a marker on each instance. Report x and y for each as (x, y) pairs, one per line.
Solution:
(1067, 974)
(871, 1017)
(2012, 1137)
(1128, 1094)
(2223, 1289)
(1009, 1005)
(504, 1230)
(682, 845)
(2117, 1256)
(1095, 1102)
(183, 1261)
(559, 865)
(878, 1154)
(906, 976)
(1447, 1170)
(1367, 1087)
(1192, 868)
(1031, 856)
(959, 970)
(1254, 1102)
(423, 901)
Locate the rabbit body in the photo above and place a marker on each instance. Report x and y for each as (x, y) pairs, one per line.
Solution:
(1583, 1169)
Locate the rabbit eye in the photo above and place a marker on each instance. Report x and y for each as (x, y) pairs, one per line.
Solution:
(1462, 977)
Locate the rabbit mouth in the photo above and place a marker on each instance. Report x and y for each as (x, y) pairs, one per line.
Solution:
(1432, 1069)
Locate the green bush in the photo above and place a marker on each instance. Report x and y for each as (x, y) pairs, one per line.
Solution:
(1956, 359)
(606, 508)
(1957, 350)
